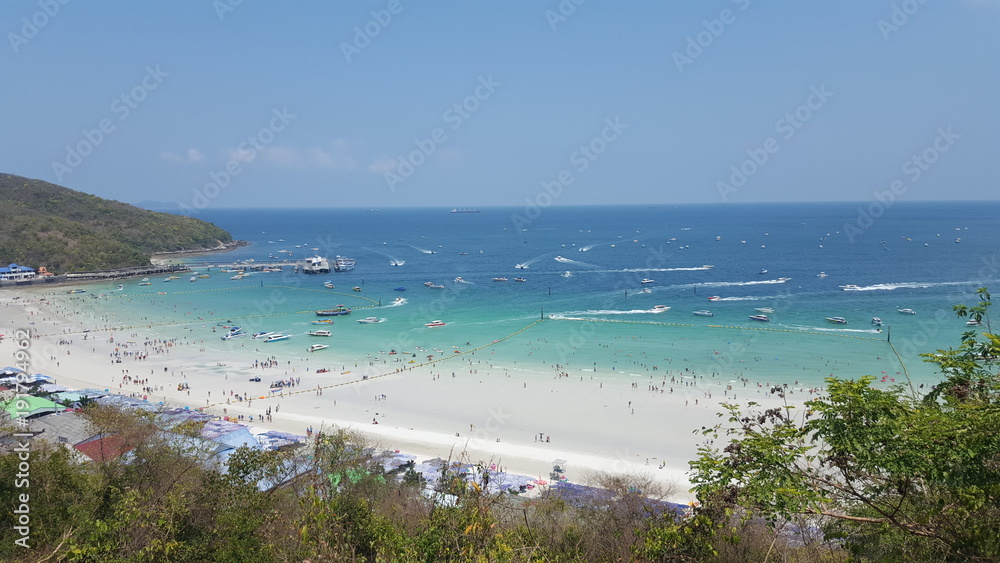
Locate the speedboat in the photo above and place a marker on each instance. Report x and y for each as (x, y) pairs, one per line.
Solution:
(660, 308)
(257, 335)
(907, 311)
(567, 274)
(328, 284)
(764, 310)
(323, 322)
(561, 259)
(837, 320)
(356, 288)
(121, 287)
(850, 287)
(520, 280)
(234, 334)
(500, 279)
(704, 313)
(370, 320)
(320, 333)
(435, 323)
(762, 271)
(973, 322)
(398, 301)
(277, 337)
(876, 321)
(646, 280)
(521, 266)
(428, 284)
(821, 275)
(459, 280)
(145, 281)
(193, 278)
(645, 290)
(436, 286)
(315, 347)
(761, 318)
(714, 298)
(397, 262)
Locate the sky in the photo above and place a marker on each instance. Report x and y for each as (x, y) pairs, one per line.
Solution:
(245, 103)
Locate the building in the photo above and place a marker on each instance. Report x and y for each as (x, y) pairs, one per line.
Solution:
(13, 272)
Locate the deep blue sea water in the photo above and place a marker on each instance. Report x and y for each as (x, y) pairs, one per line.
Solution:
(907, 257)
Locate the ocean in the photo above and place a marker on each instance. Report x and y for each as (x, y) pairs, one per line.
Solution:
(584, 274)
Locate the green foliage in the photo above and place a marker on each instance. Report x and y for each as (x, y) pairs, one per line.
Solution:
(43, 224)
(918, 474)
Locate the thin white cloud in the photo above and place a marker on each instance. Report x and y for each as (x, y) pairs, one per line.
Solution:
(191, 155)
(383, 165)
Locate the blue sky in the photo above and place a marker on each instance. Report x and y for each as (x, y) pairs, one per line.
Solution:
(410, 103)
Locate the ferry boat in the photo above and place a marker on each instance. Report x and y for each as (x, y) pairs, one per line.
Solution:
(323, 322)
(277, 337)
(876, 321)
(339, 310)
(761, 318)
(435, 323)
(315, 347)
(315, 265)
(837, 320)
(370, 320)
(320, 333)
(907, 311)
(704, 313)
(343, 264)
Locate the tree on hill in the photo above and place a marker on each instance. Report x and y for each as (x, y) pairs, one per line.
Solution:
(42, 224)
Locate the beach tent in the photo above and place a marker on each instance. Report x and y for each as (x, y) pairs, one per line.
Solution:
(29, 406)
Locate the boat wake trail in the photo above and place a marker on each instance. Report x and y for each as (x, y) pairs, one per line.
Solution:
(740, 283)
(418, 249)
(910, 285)
(575, 262)
(402, 301)
(575, 315)
(752, 298)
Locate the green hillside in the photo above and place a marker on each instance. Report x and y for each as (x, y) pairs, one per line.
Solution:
(42, 224)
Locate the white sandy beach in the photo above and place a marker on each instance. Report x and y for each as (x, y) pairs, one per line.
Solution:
(461, 407)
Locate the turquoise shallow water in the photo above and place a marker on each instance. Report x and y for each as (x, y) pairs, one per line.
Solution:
(597, 323)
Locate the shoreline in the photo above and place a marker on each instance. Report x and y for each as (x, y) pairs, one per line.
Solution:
(458, 406)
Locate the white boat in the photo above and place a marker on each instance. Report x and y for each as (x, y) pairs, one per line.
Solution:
(397, 262)
(907, 311)
(501, 279)
(761, 318)
(646, 280)
(567, 274)
(320, 333)
(435, 323)
(328, 284)
(764, 310)
(234, 334)
(660, 308)
(837, 320)
(315, 265)
(277, 337)
(821, 275)
(342, 264)
(315, 347)
(561, 259)
(436, 286)
(704, 313)
(850, 287)
(973, 322)
(521, 266)
(121, 287)
(193, 278)
(459, 280)
(398, 301)
(762, 271)
(876, 321)
(520, 280)
(265, 334)
(714, 298)
(370, 320)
